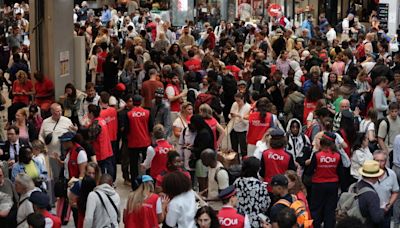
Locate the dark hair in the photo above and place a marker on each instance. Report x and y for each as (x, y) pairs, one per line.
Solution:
(176, 183)
(15, 128)
(327, 122)
(314, 94)
(286, 218)
(104, 97)
(327, 143)
(349, 221)
(191, 53)
(94, 109)
(172, 155)
(89, 85)
(87, 186)
(380, 79)
(262, 107)
(36, 220)
(239, 96)
(360, 136)
(347, 125)
(278, 142)
(322, 112)
(250, 167)
(103, 46)
(393, 105)
(23, 154)
(94, 49)
(72, 87)
(210, 212)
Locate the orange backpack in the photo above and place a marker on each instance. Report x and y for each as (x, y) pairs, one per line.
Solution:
(303, 218)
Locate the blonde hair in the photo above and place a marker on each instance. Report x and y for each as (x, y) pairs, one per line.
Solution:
(129, 63)
(37, 144)
(136, 198)
(23, 112)
(21, 73)
(184, 106)
(205, 111)
(25, 181)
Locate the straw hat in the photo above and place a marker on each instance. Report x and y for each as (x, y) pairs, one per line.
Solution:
(370, 168)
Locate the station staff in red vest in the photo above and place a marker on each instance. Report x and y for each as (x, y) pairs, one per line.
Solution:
(228, 216)
(139, 128)
(110, 115)
(276, 160)
(76, 158)
(324, 169)
(157, 155)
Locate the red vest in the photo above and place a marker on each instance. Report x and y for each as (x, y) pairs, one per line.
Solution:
(145, 216)
(175, 105)
(308, 107)
(111, 117)
(101, 58)
(159, 162)
(346, 140)
(102, 144)
(276, 161)
(212, 123)
(282, 21)
(73, 167)
(139, 133)
(56, 220)
(228, 217)
(257, 129)
(326, 169)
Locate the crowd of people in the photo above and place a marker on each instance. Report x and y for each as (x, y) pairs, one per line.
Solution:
(236, 124)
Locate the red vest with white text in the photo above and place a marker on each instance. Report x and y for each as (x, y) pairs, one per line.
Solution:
(139, 133)
(257, 128)
(73, 167)
(176, 104)
(326, 169)
(228, 217)
(145, 216)
(276, 161)
(159, 162)
(102, 144)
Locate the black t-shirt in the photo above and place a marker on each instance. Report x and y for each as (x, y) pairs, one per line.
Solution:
(278, 207)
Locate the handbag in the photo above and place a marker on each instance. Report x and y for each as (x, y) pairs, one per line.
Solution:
(49, 137)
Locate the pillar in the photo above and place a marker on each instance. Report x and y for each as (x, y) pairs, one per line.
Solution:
(52, 41)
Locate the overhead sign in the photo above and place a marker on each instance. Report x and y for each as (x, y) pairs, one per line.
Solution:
(274, 9)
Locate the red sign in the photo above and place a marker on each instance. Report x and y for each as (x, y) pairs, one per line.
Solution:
(274, 9)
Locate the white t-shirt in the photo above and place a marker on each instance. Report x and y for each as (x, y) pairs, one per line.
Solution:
(47, 127)
(367, 123)
(181, 211)
(93, 62)
(82, 158)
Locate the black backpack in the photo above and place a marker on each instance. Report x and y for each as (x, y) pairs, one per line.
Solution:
(233, 173)
(387, 130)
(257, 84)
(339, 27)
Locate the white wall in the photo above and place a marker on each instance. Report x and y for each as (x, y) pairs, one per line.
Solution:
(393, 15)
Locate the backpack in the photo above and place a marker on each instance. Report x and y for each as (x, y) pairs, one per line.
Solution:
(298, 111)
(233, 173)
(258, 83)
(339, 27)
(94, 130)
(387, 130)
(202, 98)
(308, 131)
(303, 218)
(348, 203)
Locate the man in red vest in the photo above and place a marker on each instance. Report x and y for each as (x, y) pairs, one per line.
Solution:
(174, 95)
(110, 115)
(157, 155)
(100, 139)
(228, 216)
(76, 157)
(139, 128)
(41, 202)
(275, 160)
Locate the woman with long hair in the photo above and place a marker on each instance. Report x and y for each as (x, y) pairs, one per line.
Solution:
(239, 109)
(313, 95)
(88, 183)
(182, 206)
(72, 102)
(175, 52)
(22, 90)
(207, 113)
(204, 140)
(144, 208)
(110, 70)
(367, 125)
(361, 153)
(206, 218)
(182, 121)
(259, 122)
(324, 171)
(26, 128)
(252, 193)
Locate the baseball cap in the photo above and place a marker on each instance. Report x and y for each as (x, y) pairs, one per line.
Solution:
(66, 137)
(137, 99)
(241, 82)
(279, 180)
(227, 192)
(120, 87)
(277, 132)
(40, 199)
